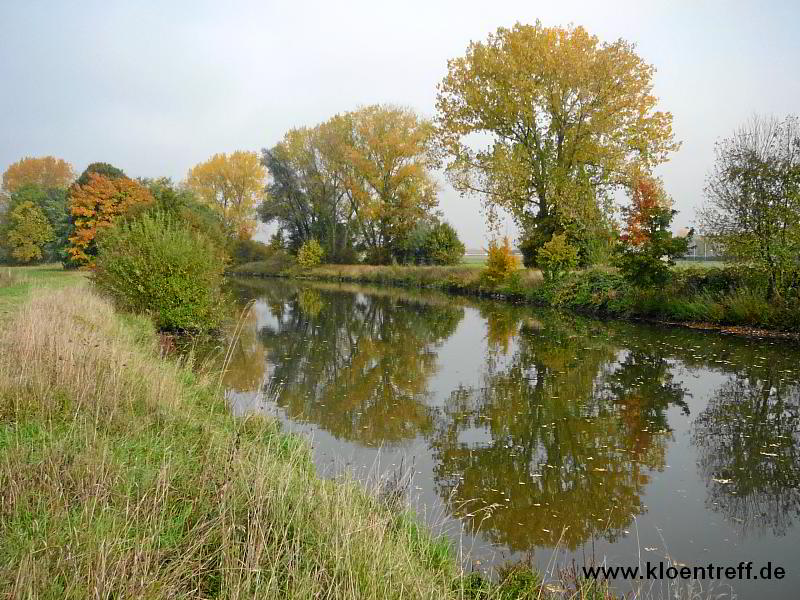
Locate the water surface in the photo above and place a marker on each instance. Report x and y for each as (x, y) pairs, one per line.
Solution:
(536, 435)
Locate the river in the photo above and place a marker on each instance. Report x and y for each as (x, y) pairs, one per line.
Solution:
(536, 435)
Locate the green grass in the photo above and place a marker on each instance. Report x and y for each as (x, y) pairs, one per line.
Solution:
(474, 261)
(700, 264)
(16, 283)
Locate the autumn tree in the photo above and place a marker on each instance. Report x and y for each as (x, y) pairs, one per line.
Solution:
(46, 172)
(26, 231)
(359, 179)
(545, 123)
(306, 195)
(753, 199)
(232, 184)
(96, 205)
(390, 183)
(647, 247)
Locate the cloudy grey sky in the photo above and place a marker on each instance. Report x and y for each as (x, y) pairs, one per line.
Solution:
(157, 86)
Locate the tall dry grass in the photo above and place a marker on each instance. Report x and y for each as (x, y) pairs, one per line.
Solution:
(122, 475)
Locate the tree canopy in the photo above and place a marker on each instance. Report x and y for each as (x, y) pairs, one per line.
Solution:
(753, 198)
(26, 231)
(96, 205)
(545, 122)
(361, 179)
(45, 171)
(232, 184)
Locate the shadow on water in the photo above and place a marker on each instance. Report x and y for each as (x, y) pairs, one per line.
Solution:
(537, 429)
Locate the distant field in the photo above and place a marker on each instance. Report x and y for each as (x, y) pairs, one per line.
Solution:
(17, 282)
(702, 264)
(474, 261)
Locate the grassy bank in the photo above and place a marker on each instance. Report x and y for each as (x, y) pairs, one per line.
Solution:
(709, 296)
(124, 475)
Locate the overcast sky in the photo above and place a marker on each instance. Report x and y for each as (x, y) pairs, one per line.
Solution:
(155, 87)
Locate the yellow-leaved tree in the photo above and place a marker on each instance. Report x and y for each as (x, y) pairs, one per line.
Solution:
(232, 184)
(545, 123)
(389, 179)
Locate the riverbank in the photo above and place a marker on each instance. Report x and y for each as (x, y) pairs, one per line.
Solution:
(124, 474)
(718, 299)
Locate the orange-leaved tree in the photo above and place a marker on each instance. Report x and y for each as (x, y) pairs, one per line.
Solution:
(95, 205)
(648, 202)
(45, 171)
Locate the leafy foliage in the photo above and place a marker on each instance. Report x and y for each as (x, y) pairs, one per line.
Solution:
(107, 170)
(559, 140)
(647, 248)
(94, 206)
(182, 205)
(442, 246)
(358, 182)
(310, 254)
(500, 263)
(557, 257)
(53, 203)
(155, 266)
(753, 199)
(232, 184)
(46, 172)
(26, 232)
(245, 251)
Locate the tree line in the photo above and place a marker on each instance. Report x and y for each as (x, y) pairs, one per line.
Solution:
(546, 124)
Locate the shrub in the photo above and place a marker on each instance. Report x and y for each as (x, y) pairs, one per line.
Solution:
(557, 257)
(156, 267)
(442, 246)
(310, 254)
(500, 263)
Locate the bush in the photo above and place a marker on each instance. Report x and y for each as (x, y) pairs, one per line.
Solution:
(557, 257)
(500, 263)
(442, 246)
(156, 267)
(310, 254)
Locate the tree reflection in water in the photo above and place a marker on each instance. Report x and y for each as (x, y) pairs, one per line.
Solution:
(357, 366)
(571, 435)
(555, 437)
(748, 440)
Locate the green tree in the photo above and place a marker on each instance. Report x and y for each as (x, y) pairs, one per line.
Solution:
(564, 117)
(557, 257)
(753, 199)
(27, 231)
(443, 246)
(107, 170)
(53, 203)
